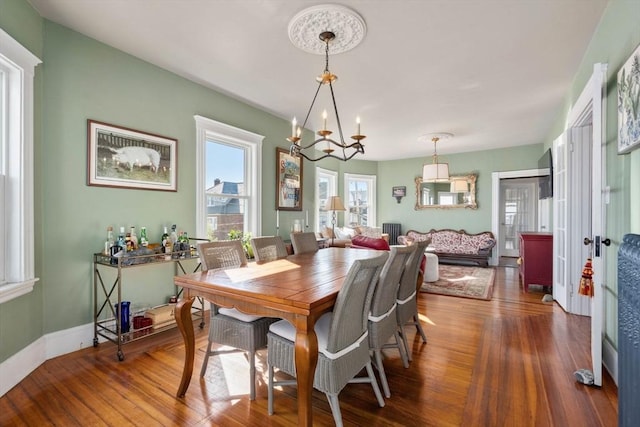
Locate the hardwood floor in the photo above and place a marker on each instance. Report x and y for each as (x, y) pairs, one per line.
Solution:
(504, 362)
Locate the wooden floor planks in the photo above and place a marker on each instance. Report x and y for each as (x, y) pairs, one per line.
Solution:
(504, 362)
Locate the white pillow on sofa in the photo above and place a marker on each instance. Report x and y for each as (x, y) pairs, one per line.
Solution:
(340, 234)
(349, 232)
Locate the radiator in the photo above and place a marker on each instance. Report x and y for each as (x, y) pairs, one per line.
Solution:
(629, 330)
(393, 230)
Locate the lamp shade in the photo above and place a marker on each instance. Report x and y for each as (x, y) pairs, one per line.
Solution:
(334, 203)
(435, 172)
(459, 186)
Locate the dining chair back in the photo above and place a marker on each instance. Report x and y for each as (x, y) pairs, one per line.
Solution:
(342, 339)
(222, 254)
(268, 248)
(304, 242)
(229, 326)
(383, 325)
(407, 311)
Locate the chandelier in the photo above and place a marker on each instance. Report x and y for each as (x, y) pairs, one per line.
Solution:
(328, 146)
(435, 172)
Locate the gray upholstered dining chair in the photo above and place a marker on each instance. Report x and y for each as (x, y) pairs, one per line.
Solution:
(304, 242)
(342, 339)
(228, 326)
(407, 311)
(383, 324)
(268, 248)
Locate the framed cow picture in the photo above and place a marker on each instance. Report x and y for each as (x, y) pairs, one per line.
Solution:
(128, 158)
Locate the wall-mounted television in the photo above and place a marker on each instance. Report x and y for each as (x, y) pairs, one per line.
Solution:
(545, 181)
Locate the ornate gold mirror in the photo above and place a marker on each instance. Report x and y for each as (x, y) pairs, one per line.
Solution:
(458, 192)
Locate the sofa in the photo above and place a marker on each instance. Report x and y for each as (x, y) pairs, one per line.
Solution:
(343, 235)
(455, 246)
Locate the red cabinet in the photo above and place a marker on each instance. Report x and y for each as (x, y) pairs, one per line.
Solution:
(536, 259)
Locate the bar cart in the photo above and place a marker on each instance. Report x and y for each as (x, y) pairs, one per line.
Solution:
(110, 327)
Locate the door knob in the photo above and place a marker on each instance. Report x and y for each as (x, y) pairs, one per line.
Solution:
(587, 241)
(606, 242)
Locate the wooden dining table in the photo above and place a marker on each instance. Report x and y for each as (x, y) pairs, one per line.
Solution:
(299, 288)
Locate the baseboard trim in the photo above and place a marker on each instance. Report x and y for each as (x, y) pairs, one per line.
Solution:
(17, 367)
(20, 365)
(610, 360)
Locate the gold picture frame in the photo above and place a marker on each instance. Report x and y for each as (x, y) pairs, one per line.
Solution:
(289, 178)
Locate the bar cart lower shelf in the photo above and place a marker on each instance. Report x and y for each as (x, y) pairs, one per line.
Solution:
(106, 319)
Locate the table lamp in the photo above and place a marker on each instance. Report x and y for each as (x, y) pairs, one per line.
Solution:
(334, 203)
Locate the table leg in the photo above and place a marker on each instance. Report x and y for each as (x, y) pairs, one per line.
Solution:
(306, 354)
(185, 324)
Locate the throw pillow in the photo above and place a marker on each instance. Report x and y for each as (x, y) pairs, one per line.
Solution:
(340, 234)
(327, 233)
(349, 232)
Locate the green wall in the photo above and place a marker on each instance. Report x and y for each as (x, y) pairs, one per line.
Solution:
(483, 163)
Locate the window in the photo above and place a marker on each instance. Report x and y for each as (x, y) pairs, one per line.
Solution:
(228, 170)
(326, 186)
(360, 194)
(17, 64)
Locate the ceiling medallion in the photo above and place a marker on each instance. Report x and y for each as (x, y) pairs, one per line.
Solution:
(348, 27)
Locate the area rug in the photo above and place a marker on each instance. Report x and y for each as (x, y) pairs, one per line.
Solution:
(462, 281)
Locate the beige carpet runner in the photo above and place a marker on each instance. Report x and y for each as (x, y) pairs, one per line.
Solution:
(462, 281)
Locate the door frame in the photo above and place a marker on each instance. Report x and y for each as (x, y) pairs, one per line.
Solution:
(496, 201)
(531, 184)
(590, 103)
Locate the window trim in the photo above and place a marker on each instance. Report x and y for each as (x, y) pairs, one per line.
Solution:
(333, 177)
(208, 129)
(17, 143)
(372, 214)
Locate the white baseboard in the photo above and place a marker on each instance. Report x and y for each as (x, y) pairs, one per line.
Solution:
(610, 359)
(17, 367)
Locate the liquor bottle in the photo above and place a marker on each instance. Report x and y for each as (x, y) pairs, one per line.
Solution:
(144, 242)
(165, 238)
(173, 236)
(168, 248)
(121, 239)
(185, 245)
(134, 238)
(117, 246)
(179, 245)
(108, 244)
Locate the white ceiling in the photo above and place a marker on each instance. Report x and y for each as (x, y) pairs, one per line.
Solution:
(492, 72)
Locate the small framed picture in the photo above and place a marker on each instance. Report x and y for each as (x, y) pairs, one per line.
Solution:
(288, 181)
(128, 158)
(629, 104)
(399, 191)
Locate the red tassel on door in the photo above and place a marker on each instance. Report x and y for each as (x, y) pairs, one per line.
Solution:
(586, 282)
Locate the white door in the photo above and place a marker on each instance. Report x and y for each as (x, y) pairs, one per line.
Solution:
(561, 290)
(598, 220)
(518, 212)
(585, 176)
